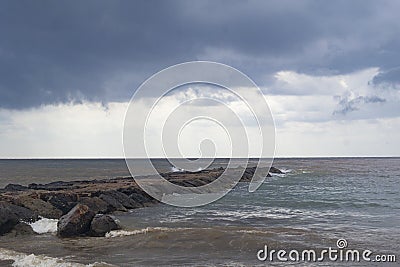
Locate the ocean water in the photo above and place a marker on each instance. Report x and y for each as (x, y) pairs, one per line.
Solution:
(315, 203)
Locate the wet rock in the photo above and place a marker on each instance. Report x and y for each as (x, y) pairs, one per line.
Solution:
(7, 220)
(102, 224)
(15, 187)
(63, 201)
(95, 204)
(140, 199)
(21, 229)
(39, 206)
(53, 186)
(275, 170)
(123, 199)
(113, 204)
(22, 213)
(76, 222)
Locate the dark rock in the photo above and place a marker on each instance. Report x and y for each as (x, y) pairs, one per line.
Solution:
(21, 229)
(22, 213)
(63, 201)
(275, 170)
(39, 206)
(140, 199)
(53, 186)
(76, 222)
(7, 220)
(113, 204)
(6, 263)
(15, 187)
(123, 199)
(102, 224)
(95, 204)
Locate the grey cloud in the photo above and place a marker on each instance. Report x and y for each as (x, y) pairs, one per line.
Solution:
(102, 50)
(388, 78)
(348, 104)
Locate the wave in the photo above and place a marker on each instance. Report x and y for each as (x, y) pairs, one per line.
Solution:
(278, 174)
(176, 169)
(27, 260)
(44, 226)
(286, 170)
(119, 233)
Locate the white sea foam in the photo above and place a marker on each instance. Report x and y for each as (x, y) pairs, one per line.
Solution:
(27, 260)
(119, 233)
(286, 170)
(175, 169)
(44, 225)
(278, 174)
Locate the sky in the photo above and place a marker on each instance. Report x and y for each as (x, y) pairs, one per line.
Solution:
(329, 70)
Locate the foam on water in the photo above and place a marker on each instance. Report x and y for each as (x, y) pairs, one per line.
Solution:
(278, 174)
(44, 226)
(119, 233)
(285, 170)
(27, 260)
(176, 169)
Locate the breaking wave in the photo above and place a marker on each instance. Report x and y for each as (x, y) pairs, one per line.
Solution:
(176, 169)
(119, 233)
(27, 260)
(44, 226)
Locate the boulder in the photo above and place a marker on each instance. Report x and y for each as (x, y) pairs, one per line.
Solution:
(15, 187)
(142, 197)
(21, 229)
(95, 204)
(275, 170)
(123, 199)
(76, 222)
(102, 224)
(113, 204)
(22, 213)
(7, 220)
(63, 201)
(38, 206)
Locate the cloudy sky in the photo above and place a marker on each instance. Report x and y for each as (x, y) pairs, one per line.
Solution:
(330, 70)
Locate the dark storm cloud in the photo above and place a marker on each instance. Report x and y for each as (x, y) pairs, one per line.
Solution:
(57, 51)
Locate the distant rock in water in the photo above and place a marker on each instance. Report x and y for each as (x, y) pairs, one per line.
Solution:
(275, 170)
(15, 187)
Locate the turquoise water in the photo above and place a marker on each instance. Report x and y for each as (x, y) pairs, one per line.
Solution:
(315, 203)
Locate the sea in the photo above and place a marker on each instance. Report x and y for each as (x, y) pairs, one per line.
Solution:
(317, 204)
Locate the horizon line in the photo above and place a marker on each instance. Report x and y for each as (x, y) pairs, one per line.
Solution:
(121, 158)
